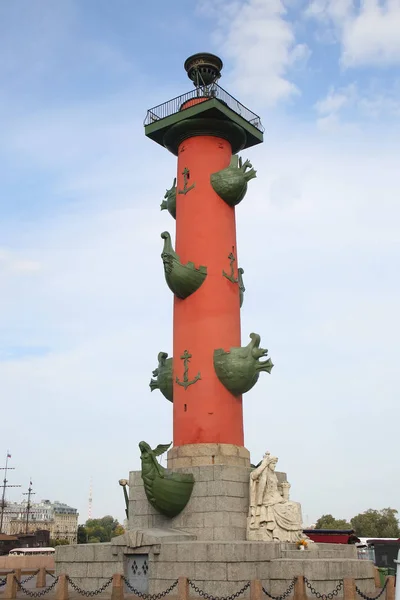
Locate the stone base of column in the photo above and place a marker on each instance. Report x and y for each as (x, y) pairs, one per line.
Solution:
(201, 455)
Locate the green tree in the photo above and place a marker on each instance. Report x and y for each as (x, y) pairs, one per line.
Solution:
(102, 530)
(329, 522)
(59, 542)
(377, 523)
(82, 534)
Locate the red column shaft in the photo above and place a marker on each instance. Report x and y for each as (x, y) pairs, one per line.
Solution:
(206, 412)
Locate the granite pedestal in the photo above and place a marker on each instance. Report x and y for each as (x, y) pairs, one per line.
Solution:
(206, 542)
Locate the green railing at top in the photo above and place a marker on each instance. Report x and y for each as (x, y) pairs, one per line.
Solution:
(211, 92)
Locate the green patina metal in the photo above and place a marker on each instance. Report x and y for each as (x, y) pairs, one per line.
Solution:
(182, 280)
(231, 183)
(164, 377)
(167, 492)
(182, 130)
(186, 356)
(186, 176)
(169, 202)
(231, 275)
(239, 368)
(242, 289)
(211, 112)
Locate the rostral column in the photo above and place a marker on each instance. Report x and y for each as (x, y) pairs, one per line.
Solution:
(209, 372)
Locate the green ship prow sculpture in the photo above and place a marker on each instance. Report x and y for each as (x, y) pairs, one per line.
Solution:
(182, 280)
(239, 368)
(164, 377)
(166, 491)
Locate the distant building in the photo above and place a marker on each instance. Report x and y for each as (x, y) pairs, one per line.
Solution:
(56, 517)
(65, 522)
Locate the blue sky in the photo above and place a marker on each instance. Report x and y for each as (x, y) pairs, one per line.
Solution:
(84, 309)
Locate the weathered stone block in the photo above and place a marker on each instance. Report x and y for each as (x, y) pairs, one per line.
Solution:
(102, 552)
(193, 551)
(216, 519)
(225, 533)
(194, 520)
(231, 473)
(231, 504)
(211, 571)
(142, 522)
(76, 569)
(235, 489)
(202, 504)
(202, 533)
(174, 570)
(237, 520)
(200, 489)
(142, 507)
(95, 569)
(241, 571)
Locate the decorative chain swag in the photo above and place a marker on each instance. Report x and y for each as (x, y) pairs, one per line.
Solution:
(88, 593)
(35, 594)
(360, 593)
(323, 596)
(285, 594)
(150, 596)
(211, 597)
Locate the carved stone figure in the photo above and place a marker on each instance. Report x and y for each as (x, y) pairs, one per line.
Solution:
(182, 280)
(167, 492)
(238, 370)
(169, 202)
(231, 183)
(164, 377)
(272, 516)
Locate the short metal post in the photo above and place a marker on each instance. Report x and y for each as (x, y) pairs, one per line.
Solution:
(41, 578)
(349, 589)
(256, 592)
(377, 578)
(117, 592)
(300, 588)
(183, 588)
(62, 587)
(10, 591)
(18, 574)
(390, 587)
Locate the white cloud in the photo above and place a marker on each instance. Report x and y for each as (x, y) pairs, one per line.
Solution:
(13, 263)
(368, 31)
(336, 100)
(261, 44)
(371, 103)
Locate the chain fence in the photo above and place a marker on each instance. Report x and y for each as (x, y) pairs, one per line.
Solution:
(204, 594)
(329, 596)
(36, 594)
(89, 593)
(150, 596)
(285, 594)
(51, 574)
(30, 577)
(3, 579)
(365, 597)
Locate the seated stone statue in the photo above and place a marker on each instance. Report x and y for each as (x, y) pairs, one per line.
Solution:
(272, 516)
